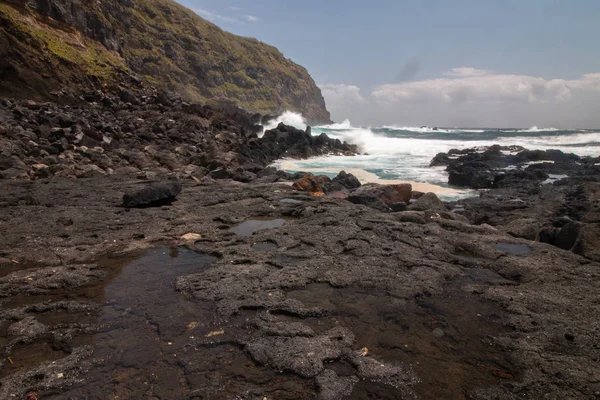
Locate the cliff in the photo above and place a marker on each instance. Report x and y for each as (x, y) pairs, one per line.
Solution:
(49, 46)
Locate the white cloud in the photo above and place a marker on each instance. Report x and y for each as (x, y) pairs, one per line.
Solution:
(214, 17)
(465, 72)
(251, 18)
(479, 88)
(342, 93)
(471, 97)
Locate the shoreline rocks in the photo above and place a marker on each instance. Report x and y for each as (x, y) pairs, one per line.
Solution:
(42, 140)
(549, 196)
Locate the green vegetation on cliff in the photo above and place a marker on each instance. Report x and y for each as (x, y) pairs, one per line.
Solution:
(48, 44)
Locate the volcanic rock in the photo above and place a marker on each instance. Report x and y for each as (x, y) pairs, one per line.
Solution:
(153, 195)
(428, 202)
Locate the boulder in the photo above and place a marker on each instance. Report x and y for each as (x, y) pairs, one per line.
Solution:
(221, 173)
(127, 96)
(388, 194)
(580, 238)
(12, 167)
(153, 195)
(346, 180)
(398, 207)
(428, 202)
(369, 200)
(310, 184)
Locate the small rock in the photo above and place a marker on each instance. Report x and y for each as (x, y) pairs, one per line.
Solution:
(309, 184)
(428, 202)
(438, 333)
(221, 174)
(191, 237)
(348, 181)
(154, 195)
(369, 200)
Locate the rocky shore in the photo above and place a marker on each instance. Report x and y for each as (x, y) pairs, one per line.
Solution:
(148, 251)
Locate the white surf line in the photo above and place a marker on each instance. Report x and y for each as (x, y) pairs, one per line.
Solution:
(369, 177)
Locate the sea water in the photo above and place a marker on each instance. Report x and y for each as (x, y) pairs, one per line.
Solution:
(403, 153)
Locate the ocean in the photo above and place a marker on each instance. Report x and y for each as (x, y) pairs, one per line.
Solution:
(403, 153)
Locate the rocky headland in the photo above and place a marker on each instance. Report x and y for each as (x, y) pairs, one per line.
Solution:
(55, 49)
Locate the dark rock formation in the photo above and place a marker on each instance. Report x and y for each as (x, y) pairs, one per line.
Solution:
(508, 166)
(428, 202)
(287, 141)
(346, 180)
(153, 195)
(368, 199)
(548, 196)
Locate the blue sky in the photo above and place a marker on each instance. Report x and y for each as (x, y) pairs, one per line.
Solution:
(383, 44)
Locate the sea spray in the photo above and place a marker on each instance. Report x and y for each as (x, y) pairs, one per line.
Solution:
(289, 118)
(404, 153)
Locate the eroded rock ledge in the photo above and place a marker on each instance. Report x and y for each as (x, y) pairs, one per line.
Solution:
(549, 196)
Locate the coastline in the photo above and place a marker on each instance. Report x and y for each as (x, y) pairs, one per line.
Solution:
(369, 177)
(226, 275)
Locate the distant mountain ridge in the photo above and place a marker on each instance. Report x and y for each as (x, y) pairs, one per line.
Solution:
(47, 45)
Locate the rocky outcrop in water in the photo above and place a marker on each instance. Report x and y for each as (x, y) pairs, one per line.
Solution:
(548, 196)
(507, 166)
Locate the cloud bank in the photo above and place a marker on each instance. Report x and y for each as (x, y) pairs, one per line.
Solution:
(472, 98)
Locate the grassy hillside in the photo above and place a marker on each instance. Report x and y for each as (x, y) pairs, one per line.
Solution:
(48, 44)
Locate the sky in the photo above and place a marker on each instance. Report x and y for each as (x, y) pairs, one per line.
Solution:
(468, 63)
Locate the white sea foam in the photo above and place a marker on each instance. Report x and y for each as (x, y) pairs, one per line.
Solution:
(428, 129)
(536, 129)
(288, 118)
(408, 158)
(340, 126)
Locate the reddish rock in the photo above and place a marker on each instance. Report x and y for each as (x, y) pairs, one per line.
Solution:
(388, 194)
(310, 184)
(322, 180)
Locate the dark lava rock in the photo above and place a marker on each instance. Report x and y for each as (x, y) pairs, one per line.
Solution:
(154, 195)
(400, 206)
(526, 228)
(580, 238)
(221, 174)
(369, 200)
(346, 180)
(428, 202)
(388, 194)
(333, 387)
(287, 141)
(493, 167)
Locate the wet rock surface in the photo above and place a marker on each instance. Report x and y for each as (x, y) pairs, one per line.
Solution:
(345, 301)
(546, 196)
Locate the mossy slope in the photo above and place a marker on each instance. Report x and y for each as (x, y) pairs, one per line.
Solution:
(47, 44)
